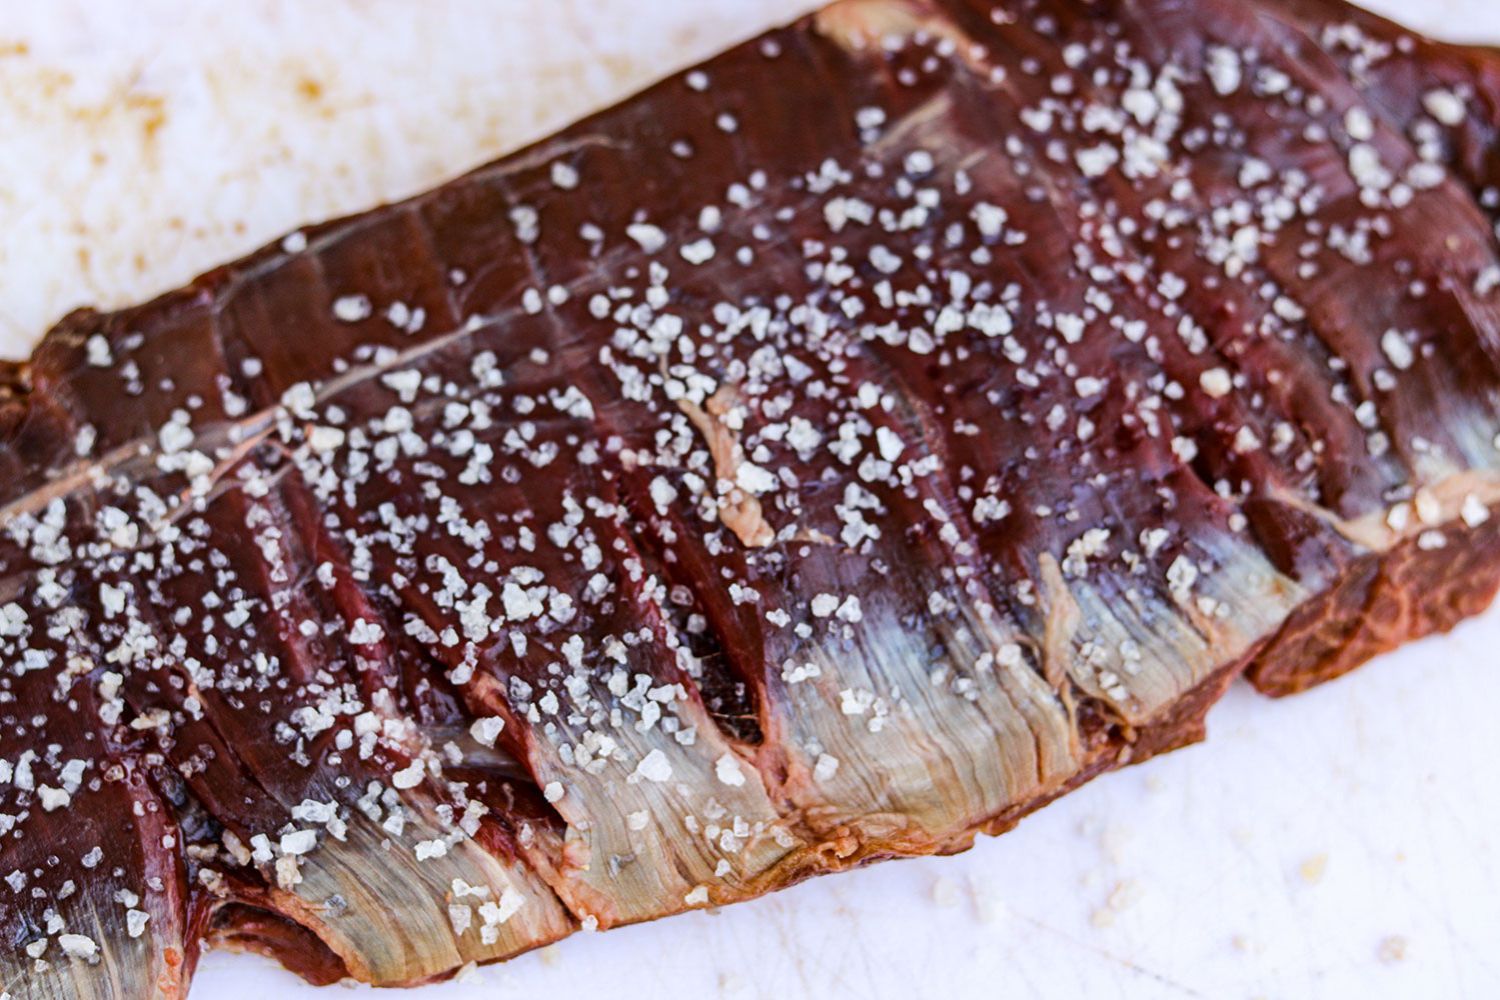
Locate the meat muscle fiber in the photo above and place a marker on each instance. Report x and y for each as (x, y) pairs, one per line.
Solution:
(842, 448)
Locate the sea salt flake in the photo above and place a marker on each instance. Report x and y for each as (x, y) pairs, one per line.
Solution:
(1216, 382)
(653, 767)
(486, 730)
(727, 770)
(352, 308)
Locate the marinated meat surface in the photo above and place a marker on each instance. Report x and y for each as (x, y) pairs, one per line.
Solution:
(844, 447)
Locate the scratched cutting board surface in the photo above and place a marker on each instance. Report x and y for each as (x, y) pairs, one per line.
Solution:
(1341, 843)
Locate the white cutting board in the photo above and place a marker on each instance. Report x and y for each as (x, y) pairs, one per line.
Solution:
(1338, 844)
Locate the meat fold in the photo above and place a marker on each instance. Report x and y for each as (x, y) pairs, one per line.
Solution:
(842, 448)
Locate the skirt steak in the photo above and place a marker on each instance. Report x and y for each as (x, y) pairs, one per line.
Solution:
(842, 448)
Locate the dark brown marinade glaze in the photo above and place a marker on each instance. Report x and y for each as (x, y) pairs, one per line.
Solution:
(842, 448)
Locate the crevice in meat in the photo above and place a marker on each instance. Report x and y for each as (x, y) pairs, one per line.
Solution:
(237, 927)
